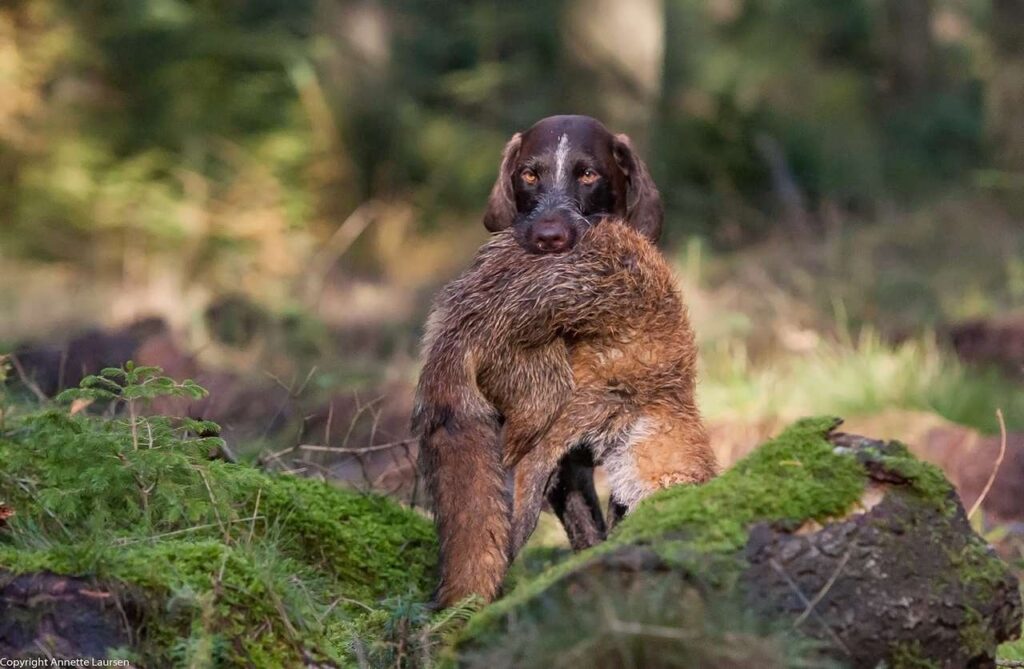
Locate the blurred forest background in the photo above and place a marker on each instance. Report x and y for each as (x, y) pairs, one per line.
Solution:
(264, 195)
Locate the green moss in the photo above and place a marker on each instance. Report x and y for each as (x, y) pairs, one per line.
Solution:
(193, 595)
(226, 564)
(326, 559)
(976, 636)
(1012, 650)
(927, 481)
(977, 567)
(370, 543)
(911, 656)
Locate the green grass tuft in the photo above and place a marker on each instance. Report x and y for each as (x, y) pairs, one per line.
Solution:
(859, 378)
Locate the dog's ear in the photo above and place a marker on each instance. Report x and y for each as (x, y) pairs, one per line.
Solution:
(643, 202)
(501, 206)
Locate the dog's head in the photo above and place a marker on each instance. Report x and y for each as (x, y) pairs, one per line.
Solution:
(563, 175)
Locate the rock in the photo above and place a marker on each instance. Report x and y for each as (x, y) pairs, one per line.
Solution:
(50, 367)
(66, 616)
(850, 542)
(998, 342)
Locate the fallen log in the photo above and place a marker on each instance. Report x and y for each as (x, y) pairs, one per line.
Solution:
(839, 549)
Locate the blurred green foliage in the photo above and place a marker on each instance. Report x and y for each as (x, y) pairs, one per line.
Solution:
(142, 117)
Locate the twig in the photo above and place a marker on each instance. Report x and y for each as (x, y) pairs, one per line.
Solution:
(360, 653)
(283, 612)
(46, 651)
(135, 427)
(213, 501)
(355, 451)
(302, 387)
(995, 470)
(143, 490)
(288, 388)
(656, 631)
(339, 600)
(807, 603)
(327, 425)
(360, 456)
(194, 528)
(276, 455)
(1010, 663)
(335, 247)
(360, 410)
(824, 590)
(27, 381)
(291, 393)
(252, 523)
(62, 367)
(323, 472)
(223, 566)
(51, 514)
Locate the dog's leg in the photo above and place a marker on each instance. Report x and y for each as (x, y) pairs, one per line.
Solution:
(574, 500)
(472, 508)
(616, 511)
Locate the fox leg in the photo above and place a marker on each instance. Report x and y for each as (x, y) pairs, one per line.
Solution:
(534, 475)
(570, 492)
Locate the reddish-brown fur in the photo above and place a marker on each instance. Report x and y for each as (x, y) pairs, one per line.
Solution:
(555, 180)
(590, 346)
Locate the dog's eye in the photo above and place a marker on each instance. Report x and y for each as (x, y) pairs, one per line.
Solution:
(589, 176)
(529, 177)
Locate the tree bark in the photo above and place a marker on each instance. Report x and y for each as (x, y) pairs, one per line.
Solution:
(909, 46)
(1006, 89)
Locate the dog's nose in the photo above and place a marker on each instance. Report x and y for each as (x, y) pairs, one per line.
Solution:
(551, 236)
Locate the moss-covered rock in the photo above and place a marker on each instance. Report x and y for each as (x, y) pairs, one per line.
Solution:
(204, 562)
(850, 541)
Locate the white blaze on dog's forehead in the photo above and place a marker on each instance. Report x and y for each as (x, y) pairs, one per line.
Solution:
(561, 155)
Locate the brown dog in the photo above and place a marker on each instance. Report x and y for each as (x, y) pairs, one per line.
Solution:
(555, 179)
(591, 346)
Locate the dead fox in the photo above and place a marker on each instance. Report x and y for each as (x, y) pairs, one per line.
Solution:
(591, 346)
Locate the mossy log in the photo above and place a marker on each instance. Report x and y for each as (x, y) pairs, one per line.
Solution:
(124, 537)
(290, 588)
(848, 542)
(820, 549)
